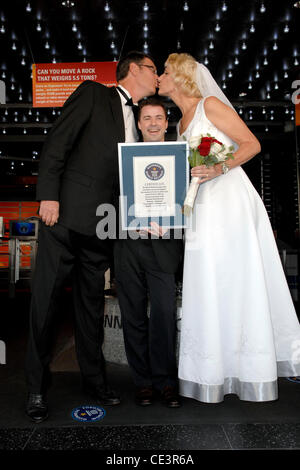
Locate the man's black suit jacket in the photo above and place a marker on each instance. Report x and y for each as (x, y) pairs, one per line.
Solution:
(79, 161)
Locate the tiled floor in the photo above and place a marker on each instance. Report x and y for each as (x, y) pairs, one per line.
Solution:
(160, 437)
(165, 437)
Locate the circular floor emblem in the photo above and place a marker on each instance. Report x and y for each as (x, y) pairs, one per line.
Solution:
(88, 413)
(154, 171)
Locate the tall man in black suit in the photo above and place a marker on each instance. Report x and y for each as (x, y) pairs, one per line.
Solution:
(149, 264)
(78, 172)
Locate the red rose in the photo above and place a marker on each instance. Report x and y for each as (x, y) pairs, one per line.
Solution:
(205, 145)
(215, 140)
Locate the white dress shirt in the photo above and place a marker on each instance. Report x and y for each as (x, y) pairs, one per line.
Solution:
(131, 134)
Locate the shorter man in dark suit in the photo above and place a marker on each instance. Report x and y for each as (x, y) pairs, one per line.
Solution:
(149, 264)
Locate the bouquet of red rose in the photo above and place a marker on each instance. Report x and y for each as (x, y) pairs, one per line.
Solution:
(208, 151)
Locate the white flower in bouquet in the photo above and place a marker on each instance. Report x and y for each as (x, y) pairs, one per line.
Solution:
(208, 151)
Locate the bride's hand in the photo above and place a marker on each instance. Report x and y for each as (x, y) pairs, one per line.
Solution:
(205, 173)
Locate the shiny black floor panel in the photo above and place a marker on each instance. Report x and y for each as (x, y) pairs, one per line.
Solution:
(230, 425)
(65, 394)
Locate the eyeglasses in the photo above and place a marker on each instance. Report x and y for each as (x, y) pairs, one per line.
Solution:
(149, 67)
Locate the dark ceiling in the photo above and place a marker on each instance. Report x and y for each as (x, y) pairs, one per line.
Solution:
(252, 47)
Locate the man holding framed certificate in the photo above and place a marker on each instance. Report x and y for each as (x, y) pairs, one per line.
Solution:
(147, 264)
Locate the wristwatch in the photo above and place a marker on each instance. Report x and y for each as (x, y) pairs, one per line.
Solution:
(225, 168)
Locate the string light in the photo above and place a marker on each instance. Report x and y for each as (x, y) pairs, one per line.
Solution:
(68, 4)
(185, 6)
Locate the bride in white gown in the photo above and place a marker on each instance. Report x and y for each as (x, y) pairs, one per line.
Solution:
(239, 328)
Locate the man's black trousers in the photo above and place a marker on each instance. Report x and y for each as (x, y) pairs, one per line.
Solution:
(150, 342)
(61, 253)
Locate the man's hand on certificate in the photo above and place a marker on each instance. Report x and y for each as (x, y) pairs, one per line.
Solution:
(155, 230)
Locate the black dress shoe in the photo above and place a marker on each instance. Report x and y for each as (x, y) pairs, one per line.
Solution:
(103, 395)
(170, 398)
(36, 407)
(144, 396)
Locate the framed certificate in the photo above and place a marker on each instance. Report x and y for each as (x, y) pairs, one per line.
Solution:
(154, 178)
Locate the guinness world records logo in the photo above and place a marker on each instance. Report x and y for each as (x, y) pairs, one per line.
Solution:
(88, 413)
(154, 171)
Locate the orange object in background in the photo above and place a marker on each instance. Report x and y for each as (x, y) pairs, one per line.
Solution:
(16, 211)
(52, 84)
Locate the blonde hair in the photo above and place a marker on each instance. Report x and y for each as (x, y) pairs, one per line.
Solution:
(183, 67)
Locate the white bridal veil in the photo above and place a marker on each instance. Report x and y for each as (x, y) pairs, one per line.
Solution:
(208, 86)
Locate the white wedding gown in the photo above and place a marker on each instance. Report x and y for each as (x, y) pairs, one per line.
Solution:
(239, 329)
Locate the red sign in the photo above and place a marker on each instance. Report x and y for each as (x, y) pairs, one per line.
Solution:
(53, 83)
